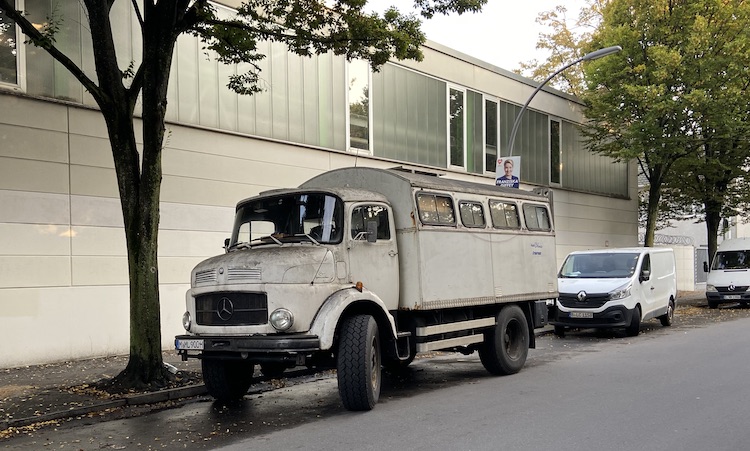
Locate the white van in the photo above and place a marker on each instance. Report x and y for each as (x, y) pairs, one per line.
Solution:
(615, 288)
(729, 276)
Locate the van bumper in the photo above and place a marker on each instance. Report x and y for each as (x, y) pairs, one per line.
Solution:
(616, 316)
(718, 297)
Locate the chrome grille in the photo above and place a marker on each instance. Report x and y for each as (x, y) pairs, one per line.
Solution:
(593, 300)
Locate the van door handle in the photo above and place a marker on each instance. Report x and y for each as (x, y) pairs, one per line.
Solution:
(653, 288)
(392, 253)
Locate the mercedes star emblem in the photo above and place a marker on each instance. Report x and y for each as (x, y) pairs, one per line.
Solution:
(225, 309)
(731, 287)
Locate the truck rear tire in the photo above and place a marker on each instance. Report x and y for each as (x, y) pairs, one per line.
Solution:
(227, 380)
(358, 366)
(506, 346)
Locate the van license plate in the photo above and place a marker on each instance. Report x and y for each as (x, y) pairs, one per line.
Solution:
(581, 315)
(732, 296)
(188, 344)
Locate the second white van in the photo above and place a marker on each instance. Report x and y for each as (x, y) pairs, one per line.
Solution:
(729, 277)
(610, 288)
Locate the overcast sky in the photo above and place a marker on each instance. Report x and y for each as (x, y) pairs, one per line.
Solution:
(503, 34)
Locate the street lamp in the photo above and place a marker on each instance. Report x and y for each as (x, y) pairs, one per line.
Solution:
(587, 57)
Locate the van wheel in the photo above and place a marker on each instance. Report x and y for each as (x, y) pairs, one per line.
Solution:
(635, 323)
(358, 365)
(227, 380)
(506, 346)
(560, 331)
(666, 319)
(713, 304)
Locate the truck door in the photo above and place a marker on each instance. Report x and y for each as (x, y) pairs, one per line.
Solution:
(374, 262)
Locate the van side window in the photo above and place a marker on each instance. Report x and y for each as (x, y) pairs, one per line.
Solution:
(472, 214)
(363, 214)
(537, 217)
(504, 215)
(435, 209)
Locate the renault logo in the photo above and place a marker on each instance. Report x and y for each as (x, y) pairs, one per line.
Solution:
(732, 287)
(225, 309)
(581, 296)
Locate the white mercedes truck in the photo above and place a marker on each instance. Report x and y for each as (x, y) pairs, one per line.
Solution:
(360, 269)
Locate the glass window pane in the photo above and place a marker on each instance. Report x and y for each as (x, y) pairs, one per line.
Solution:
(8, 50)
(456, 117)
(359, 105)
(472, 214)
(504, 215)
(554, 152)
(435, 209)
(537, 217)
(491, 136)
(371, 213)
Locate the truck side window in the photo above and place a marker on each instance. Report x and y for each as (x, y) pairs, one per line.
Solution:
(363, 214)
(435, 209)
(504, 215)
(472, 214)
(537, 217)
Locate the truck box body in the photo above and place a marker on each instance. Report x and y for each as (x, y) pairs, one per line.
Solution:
(362, 263)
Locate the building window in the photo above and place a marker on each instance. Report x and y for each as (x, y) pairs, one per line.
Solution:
(504, 215)
(10, 52)
(555, 150)
(456, 128)
(491, 136)
(359, 105)
(472, 214)
(435, 209)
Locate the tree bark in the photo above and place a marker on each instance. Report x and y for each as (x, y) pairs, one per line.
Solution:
(652, 213)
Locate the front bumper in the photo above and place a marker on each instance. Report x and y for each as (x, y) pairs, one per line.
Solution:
(616, 316)
(719, 296)
(262, 344)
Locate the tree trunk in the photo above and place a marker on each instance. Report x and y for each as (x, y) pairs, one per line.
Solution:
(713, 222)
(652, 214)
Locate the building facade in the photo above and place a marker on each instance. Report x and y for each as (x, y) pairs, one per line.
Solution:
(63, 265)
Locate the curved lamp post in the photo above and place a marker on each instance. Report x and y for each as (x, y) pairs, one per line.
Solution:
(587, 57)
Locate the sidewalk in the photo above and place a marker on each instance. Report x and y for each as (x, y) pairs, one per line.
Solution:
(58, 391)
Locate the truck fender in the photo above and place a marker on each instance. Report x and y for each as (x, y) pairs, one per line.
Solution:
(327, 318)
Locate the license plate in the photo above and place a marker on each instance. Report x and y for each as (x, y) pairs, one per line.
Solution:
(188, 344)
(581, 315)
(732, 296)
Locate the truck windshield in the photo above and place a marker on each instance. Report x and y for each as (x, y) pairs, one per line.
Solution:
(732, 260)
(599, 265)
(312, 217)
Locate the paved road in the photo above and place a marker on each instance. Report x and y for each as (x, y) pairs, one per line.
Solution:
(679, 391)
(679, 387)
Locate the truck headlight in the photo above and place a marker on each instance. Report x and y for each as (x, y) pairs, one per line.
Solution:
(710, 287)
(620, 293)
(281, 319)
(187, 321)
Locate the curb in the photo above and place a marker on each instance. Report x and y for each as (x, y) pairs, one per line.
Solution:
(130, 400)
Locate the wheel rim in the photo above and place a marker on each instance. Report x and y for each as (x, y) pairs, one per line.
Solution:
(374, 363)
(512, 340)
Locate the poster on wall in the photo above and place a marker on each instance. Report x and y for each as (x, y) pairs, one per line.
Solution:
(508, 170)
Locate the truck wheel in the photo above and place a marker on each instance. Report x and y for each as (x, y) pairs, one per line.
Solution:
(635, 323)
(358, 365)
(506, 345)
(227, 380)
(666, 319)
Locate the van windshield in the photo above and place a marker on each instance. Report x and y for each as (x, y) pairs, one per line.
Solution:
(732, 260)
(312, 217)
(599, 265)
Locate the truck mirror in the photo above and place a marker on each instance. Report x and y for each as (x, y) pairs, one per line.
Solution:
(645, 275)
(705, 266)
(226, 244)
(372, 231)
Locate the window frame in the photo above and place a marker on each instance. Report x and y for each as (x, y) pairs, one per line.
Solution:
(20, 84)
(388, 218)
(348, 118)
(496, 101)
(435, 195)
(559, 170)
(527, 206)
(449, 161)
(475, 203)
(505, 203)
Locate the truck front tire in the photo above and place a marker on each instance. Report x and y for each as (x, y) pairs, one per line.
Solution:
(506, 345)
(358, 366)
(227, 380)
